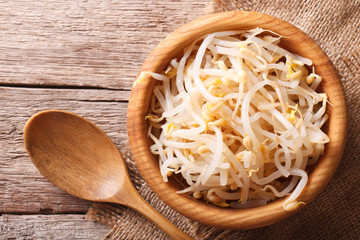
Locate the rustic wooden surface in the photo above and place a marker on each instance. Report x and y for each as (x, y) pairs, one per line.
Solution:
(80, 56)
(69, 226)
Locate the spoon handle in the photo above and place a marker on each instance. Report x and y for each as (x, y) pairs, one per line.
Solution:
(144, 208)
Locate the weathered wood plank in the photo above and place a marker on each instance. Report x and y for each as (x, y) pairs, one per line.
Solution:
(96, 43)
(69, 226)
(22, 188)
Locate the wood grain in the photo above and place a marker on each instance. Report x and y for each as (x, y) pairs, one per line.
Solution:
(67, 47)
(64, 55)
(295, 41)
(70, 226)
(96, 43)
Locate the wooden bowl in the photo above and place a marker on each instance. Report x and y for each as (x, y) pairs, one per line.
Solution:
(295, 41)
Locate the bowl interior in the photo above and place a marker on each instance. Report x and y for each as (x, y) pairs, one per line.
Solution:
(295, 41)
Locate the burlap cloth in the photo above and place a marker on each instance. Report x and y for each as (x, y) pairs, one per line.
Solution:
(335, 213)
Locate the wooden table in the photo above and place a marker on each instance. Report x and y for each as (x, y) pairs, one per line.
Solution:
(80, 56)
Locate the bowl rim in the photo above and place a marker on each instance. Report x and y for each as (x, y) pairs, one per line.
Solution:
(139, 103)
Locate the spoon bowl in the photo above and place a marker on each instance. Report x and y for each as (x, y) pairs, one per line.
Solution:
(79, 158)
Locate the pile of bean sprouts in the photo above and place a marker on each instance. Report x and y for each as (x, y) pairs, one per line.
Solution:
(239, 118)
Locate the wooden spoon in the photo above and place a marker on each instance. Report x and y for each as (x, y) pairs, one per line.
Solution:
(79, 158)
